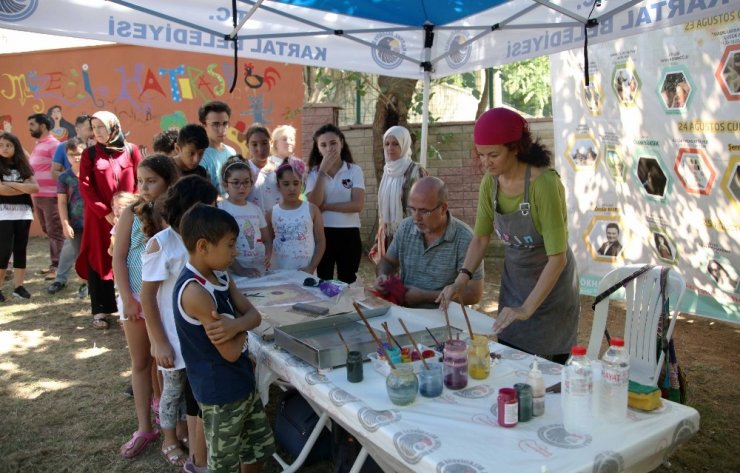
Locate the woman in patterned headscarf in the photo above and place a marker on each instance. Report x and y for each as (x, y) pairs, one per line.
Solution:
(105, 169)
(399, 174)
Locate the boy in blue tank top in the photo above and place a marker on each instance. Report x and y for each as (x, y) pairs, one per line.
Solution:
(212, 318)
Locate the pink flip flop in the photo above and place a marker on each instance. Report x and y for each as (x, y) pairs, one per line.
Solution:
(138, 443)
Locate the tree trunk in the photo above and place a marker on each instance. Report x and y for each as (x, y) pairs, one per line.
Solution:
(483, 102)
(392, 108)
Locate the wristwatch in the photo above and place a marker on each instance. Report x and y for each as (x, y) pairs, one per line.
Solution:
(466, 272)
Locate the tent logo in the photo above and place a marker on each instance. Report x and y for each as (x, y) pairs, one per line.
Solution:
(458, 52)
(17, 10)
(387, 50)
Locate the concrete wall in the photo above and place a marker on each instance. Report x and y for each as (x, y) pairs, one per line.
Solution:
(452, 160)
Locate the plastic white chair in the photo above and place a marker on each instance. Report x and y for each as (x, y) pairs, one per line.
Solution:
(643, 308)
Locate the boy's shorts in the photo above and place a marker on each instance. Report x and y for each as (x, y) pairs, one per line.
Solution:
(237, 432)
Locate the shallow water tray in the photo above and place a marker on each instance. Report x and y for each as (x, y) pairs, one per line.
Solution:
(316, 342)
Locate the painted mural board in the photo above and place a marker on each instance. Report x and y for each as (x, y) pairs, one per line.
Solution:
(650, 154)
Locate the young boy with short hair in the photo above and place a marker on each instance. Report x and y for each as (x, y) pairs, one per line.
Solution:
(212, 317)
(192, 142)
(215, 116)
(164, 142)
(69, 203)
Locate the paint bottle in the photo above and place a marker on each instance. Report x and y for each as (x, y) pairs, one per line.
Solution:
(508, 407)
(524, 398)
(538, 389)
(354, 367)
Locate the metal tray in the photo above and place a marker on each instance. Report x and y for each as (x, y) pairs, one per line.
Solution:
(316, 342)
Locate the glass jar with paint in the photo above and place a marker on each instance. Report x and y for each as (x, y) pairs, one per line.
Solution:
(402, 385)
(430, 380)
(455, 364)
(479, 358)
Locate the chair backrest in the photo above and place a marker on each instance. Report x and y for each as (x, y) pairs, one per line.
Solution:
(643, 309)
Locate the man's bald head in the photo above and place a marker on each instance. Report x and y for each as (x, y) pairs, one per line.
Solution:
(431, 186)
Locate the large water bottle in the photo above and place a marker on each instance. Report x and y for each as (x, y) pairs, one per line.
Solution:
(577, 391)
(615, 371)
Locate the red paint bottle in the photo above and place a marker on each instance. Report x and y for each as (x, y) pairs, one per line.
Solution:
(508, 407)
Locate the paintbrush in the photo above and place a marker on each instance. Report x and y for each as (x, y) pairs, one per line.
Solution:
(372, 332)
(416, 347)
(447, 322)
(341, 337)
(390, 335)
(436, 342)
(467, 319)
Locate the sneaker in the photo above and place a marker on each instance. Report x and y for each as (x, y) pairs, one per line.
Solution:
(55, 287)
(82, 292)
(129, 391)
(21, 292)
(190, 467)
(2, 296)
(51, 275)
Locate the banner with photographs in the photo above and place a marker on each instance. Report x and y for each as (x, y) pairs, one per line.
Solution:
(649, 153)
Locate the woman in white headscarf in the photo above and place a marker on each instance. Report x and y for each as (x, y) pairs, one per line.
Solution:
(399, 174)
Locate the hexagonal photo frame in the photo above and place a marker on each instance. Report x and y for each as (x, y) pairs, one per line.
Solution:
(730, 184)
(663, 246)
(695, 171)
(583, 151)
(654, 178)
(605, 239)
(626, 84)
(593, 95)
(722, 273)
(728, 72)
(676, 89)
(614, 163)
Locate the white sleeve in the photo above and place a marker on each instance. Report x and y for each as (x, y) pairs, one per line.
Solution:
(263, 222)
(154, 265)
(311, 181)
(358, 178)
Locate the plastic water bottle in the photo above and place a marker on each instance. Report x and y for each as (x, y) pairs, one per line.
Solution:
(615, 371)
(577, 392)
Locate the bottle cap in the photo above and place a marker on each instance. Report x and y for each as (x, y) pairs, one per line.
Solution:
(535, 368)
(578, 350)
(617, 342)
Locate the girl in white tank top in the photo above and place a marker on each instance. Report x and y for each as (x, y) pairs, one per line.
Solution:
(296, 226)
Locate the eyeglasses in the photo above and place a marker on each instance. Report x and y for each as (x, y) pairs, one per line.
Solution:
(238, 184)
(423, 212)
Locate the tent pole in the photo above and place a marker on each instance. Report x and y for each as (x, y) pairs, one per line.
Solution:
(427, 67)
(425, 120)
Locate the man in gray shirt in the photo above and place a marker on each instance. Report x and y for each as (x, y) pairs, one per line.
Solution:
(429, 248)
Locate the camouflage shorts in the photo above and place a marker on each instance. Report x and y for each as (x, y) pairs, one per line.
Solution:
(237, 432)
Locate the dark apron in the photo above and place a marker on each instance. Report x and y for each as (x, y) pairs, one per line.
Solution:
(553, 328)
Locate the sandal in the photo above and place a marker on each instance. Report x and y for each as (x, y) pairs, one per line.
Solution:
(138, 443)
(101, 322)
(174, 454)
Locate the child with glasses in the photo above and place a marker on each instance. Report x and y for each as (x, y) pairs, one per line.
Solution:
(254, 243)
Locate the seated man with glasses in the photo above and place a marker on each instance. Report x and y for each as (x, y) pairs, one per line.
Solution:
(428, 249)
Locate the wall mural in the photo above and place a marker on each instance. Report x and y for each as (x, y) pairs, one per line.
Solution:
(150, 90)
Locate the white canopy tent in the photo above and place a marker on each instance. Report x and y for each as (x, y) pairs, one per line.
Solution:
(420, 39)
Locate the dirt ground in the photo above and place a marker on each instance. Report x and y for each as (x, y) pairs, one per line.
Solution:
(63, 409)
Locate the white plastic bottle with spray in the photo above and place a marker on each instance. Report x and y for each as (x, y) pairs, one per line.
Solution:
(538, 389)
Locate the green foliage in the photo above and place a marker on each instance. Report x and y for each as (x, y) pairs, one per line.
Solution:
(527, 86)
